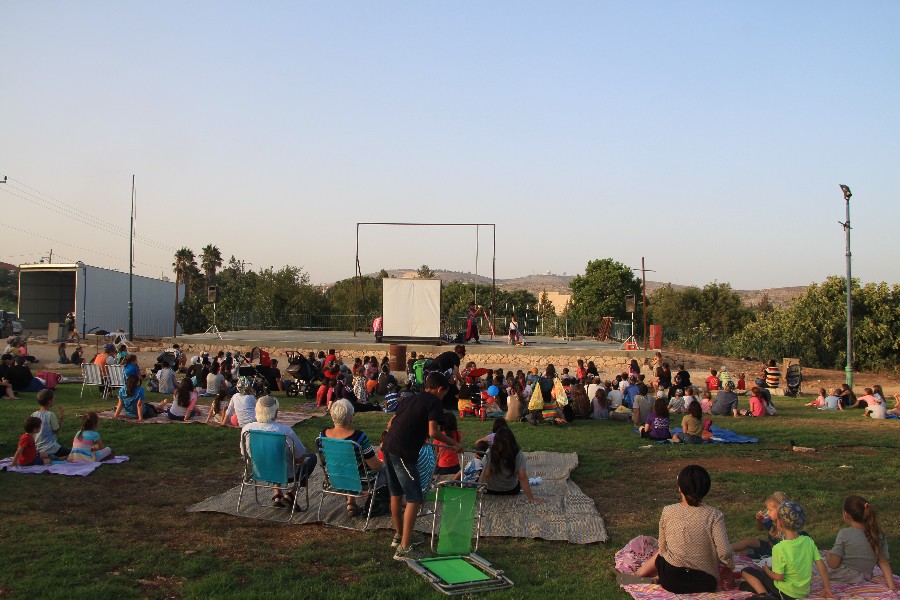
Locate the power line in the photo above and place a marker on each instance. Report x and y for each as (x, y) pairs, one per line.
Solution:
(43, 237)
(79, 214)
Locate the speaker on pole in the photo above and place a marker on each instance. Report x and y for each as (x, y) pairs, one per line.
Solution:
(212, 294)
(629, 303)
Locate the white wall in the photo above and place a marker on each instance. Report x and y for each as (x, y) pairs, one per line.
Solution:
(101, 300)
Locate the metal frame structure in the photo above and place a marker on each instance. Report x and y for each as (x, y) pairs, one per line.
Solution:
(367, 486)
(249, 477)
(477, 227)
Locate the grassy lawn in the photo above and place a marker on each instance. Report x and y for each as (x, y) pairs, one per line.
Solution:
(123, 531)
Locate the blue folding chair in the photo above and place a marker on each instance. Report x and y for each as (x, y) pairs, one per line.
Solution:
(269, 463)
(345, 474)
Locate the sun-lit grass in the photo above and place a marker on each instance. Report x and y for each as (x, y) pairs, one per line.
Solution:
(123, 531)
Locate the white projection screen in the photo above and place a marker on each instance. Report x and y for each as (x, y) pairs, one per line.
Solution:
(412, 308)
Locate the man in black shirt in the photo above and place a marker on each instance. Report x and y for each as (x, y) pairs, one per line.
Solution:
(417, 419)
(451, 361)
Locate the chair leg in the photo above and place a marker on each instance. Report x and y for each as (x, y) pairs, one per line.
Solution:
(240, 495)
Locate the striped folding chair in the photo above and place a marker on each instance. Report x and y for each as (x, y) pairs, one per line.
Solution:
(93, 375)
(116, 377)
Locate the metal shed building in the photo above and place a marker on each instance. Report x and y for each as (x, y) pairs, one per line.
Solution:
(99, 297)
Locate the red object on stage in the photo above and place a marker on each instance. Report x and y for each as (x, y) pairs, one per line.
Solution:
(655, 337)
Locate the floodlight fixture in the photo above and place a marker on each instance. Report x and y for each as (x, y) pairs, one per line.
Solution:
(847, 193)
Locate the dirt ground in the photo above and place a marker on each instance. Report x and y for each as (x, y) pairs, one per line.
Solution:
(697, 364)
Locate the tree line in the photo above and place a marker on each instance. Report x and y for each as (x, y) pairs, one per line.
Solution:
(711, 318)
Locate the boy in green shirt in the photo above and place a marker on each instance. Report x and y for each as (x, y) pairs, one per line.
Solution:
(790, 575)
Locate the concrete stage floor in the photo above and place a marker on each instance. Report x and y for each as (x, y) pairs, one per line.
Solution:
(345, 340)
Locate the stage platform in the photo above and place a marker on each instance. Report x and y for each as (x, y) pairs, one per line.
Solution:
(495, 352)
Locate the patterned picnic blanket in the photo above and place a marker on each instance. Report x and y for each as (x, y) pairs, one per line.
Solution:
(871, 590)
(289, 418)
(82, 469)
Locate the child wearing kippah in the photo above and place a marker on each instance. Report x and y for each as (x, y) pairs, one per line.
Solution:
(789, 577)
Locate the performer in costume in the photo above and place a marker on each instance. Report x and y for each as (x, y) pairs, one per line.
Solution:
(472, 322)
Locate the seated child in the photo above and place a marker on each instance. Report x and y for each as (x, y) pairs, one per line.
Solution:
(657, 425)
(859, 547)
(27, 454)
(87, 445)
(473, 469)
(691, 426)
(391, 399)
(789, 574)
(706, 402)
(600, 404)
(499, 423)
(218, 406)
(765, 521)
(741, 382)
(876, 409)
(676, 404)
(819, 402)
(183, 402)
(46, 438)
(448, 460)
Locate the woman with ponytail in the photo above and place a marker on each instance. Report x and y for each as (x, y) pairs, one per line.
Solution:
(693, 542)
(859, 547)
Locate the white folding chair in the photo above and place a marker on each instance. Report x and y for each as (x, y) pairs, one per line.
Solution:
(93, 375)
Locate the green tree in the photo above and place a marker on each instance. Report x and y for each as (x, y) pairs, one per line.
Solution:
(355, 296)
(425, 272)
(814, 328)
(601, 291)
(9, 289)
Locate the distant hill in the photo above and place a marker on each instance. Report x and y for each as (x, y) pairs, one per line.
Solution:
(779, 297)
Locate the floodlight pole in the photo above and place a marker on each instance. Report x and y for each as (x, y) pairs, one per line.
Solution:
(644, 299)
(131, 267)
(848, 370)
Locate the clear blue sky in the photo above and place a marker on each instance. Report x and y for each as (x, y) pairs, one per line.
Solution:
(709, 137)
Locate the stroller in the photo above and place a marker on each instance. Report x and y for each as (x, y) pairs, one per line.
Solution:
(793, 378)
(305, 375)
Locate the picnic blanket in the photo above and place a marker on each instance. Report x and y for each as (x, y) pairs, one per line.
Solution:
(870, 590)
(567, 514)
(61, 467)
(286, 417)
(720, 436)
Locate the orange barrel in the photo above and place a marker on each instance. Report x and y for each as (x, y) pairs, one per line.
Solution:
(397, 357)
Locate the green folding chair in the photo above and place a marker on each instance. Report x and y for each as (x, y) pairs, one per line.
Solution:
(266, 465)
(456, 569)
(345, 474)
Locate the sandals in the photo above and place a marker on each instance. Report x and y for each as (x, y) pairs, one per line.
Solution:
(278, 501)
(353, 510)
(289, 499)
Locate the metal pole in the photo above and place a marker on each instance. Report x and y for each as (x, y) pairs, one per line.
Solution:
(644, 298)
(131, 267)
(849, 368)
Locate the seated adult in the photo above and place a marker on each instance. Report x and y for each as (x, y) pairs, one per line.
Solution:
(106, 358)
(693, 542)
(132, 402)
(242, 407)
(6, 389)
(20, 377)
(726, 401)
(264, 419)
(642, 406)
(876, 409)
(504, 467)
(342, 414)
(848, 398)
(166, 378)
(866, 400)
(77, 357)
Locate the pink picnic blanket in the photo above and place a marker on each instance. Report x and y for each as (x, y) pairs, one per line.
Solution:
(871, 590)
(288, 418)
(81, 469)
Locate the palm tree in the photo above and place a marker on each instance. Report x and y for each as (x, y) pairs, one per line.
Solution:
(184, 261)
(211, 259)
